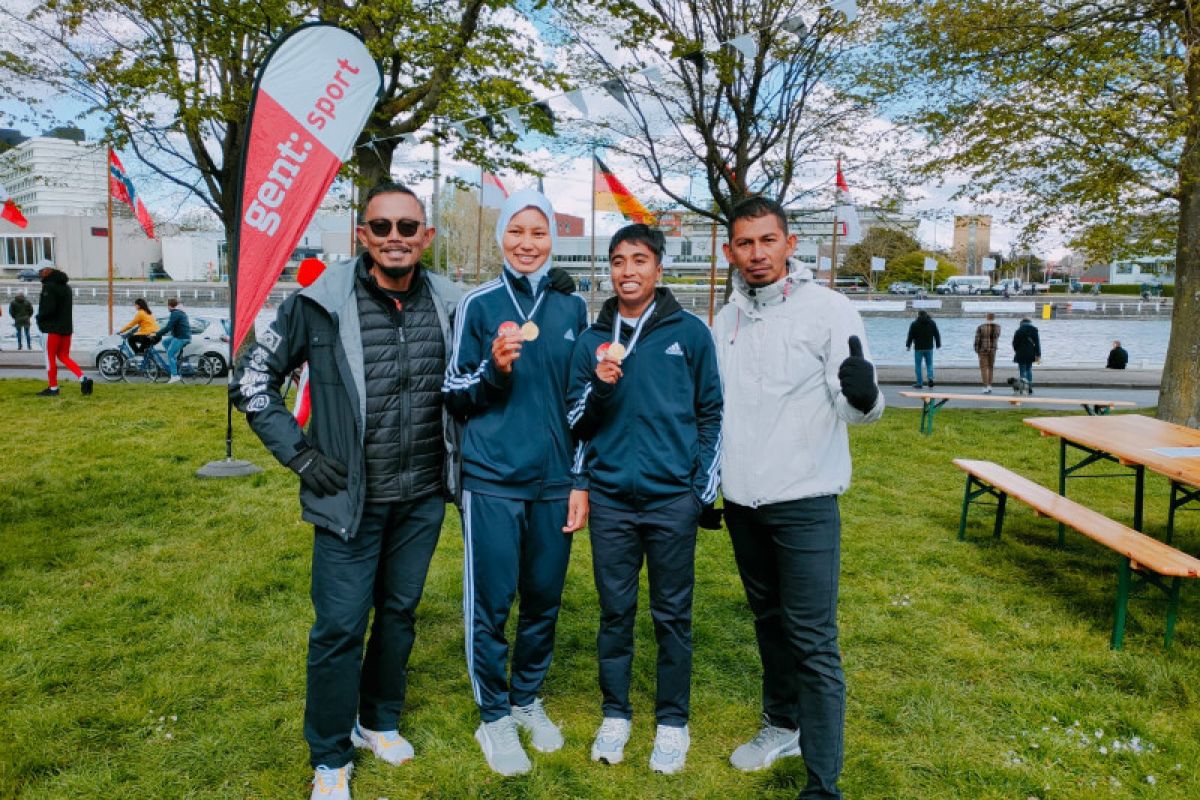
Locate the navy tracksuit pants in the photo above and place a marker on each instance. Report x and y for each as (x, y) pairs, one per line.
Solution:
(511, 547)
(666, 539)
(789, 555)
(382, 567)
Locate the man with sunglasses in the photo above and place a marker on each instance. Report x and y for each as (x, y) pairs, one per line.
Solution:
(374, 466)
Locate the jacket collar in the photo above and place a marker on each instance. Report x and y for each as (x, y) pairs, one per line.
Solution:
(665, 305)
(753, 299)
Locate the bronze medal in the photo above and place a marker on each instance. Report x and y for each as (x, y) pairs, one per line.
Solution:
(616, 352)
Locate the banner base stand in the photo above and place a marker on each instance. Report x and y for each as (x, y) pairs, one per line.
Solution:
(228, 468)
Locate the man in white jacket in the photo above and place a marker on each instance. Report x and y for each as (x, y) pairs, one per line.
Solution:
(791, 359)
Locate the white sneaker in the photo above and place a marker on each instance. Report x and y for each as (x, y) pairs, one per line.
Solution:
(502, 747)
(609, 745)
(175, 379)
(670, 749)
(767, 745)
(545, 735)
(331, 784)
(389, 746)
(987, 390)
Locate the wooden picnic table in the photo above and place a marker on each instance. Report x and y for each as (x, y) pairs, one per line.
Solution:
(1134, 441)
(932, 401)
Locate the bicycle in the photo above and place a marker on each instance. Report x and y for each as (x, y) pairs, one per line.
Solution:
(150, 366)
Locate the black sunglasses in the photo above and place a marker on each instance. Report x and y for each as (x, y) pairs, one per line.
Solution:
(405, 227)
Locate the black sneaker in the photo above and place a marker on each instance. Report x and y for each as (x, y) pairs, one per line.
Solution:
(930, 384)
(48, 392)
(85, 386)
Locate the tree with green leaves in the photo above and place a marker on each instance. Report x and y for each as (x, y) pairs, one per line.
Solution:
(910, 267)
(1078, 114)
(881, 242)
(758, 115)
(172, 80)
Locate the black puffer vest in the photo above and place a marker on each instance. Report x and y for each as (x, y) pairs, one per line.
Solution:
(404, 359)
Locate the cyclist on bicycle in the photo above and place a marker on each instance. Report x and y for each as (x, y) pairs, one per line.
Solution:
(146, 326)
(179, 330)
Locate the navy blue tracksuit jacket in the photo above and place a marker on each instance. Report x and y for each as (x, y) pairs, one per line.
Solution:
(656, 434)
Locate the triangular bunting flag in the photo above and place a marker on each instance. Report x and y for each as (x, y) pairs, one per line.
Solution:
(515, 123)
(615, 88)
(746, 44)
(849, 8)
(576, 99)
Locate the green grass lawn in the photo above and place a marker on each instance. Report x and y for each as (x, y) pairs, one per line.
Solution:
(153, 629)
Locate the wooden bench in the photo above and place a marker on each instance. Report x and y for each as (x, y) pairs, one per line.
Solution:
(1157, 563)
(932, 401)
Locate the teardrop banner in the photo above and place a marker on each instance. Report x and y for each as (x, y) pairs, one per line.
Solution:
(311, 99)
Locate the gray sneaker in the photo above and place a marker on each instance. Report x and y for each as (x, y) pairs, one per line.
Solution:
(502, 747)
(609, 745)
(767, 745)
(545, 735)
(670, 749)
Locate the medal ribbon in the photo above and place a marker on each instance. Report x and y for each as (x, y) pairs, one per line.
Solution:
(637, 331)
(536, 303)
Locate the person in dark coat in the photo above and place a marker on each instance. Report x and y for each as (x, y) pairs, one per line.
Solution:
(923, 336)
(1118, 357)
(21, 311)
(1027, 349)
(55, 319)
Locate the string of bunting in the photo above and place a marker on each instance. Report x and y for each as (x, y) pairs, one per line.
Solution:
(746, 44)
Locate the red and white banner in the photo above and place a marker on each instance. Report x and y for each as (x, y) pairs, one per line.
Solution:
(9, 210)
(846, 211)
(492, 192)
(312, 98)
(120, 187)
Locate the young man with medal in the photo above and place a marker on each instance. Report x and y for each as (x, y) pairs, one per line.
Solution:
(792, 358)
(645, 397)
(507, 382)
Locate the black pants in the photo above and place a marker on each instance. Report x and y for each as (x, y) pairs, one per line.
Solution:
(383, 566)
(788, 555)
(511, 547)
(666, 538)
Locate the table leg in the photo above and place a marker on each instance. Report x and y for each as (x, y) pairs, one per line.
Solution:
(1062, 485)
(1123, 579)
(1172, 611)
(1139, 481)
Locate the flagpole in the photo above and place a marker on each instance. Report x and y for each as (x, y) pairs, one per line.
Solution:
(479, 232)
(592, 286)
(108, 169)
(833, 252)
(712, 275)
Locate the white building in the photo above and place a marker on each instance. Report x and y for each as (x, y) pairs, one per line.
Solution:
(51, 176)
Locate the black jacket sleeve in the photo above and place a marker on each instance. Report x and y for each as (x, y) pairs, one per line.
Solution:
(260, 373)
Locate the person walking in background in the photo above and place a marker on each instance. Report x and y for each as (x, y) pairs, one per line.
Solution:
(55, 319)
(923, 336)
(1118, 357)
(179, 330)
(987, 341)
(146, 326)
(507, 381)
(1027, 349)
(792, 355)
(645, 399)
(21, 311)
(375, 468)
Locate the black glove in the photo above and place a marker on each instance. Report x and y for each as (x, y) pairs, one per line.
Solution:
(710, 517)
(321, 474)
(857, 376)
(561, 280)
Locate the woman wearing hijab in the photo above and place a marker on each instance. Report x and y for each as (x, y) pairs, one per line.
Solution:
(507, 381)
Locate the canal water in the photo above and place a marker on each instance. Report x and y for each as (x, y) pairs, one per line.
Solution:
(1065, 342)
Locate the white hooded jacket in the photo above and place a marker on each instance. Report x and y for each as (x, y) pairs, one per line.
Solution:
(779, 348)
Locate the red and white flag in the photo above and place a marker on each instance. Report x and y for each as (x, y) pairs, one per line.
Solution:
(846, 211)
(9, 210)
(311, 100)
(121, 188)
(493, 194)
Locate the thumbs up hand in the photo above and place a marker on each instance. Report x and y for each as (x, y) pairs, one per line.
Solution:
(857, 376)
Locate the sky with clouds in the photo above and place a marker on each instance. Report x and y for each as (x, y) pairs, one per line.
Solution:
(568, 175)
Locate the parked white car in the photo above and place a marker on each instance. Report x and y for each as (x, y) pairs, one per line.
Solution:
(209, 338)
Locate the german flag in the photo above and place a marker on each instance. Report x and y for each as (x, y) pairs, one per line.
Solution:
(611, 195)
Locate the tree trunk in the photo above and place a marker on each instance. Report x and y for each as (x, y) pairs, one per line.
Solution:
(374, 160)
(1179, 394)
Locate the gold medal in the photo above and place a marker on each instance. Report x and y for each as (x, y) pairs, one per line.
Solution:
(529, 331)
(616, 352)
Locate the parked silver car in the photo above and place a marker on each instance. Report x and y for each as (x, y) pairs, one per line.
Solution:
(209, 338)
